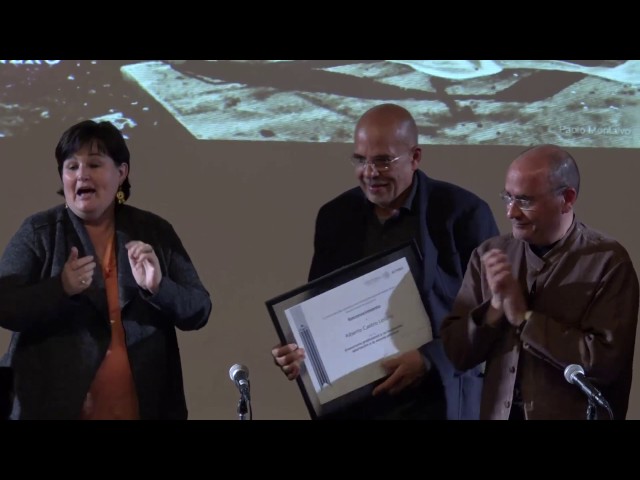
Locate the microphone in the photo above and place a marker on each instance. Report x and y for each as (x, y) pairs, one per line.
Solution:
(239, 374)
(574, 374)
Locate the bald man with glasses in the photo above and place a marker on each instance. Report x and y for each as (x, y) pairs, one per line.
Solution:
(551, 294)
(396, 202)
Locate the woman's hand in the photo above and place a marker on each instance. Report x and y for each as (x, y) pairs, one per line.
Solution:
(77, 273)
(144, 265)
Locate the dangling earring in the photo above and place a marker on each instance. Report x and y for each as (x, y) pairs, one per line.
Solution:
(120, 196)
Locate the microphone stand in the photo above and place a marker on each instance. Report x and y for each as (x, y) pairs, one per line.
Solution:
(243, 411)
(592, 411)
(244, 405)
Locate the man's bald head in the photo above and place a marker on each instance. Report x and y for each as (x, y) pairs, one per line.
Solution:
(389, 120)
(557, 163)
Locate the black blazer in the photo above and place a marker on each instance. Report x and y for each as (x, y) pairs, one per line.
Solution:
(455, 222)
(59, 341)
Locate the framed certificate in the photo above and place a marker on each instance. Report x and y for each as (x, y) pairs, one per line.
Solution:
(349, 321)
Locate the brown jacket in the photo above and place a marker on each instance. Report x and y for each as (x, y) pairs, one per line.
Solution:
(584, 298)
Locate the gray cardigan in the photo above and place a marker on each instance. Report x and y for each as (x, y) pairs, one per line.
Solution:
(59, 341)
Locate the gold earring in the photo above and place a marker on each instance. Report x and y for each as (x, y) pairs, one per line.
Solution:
(120, 196)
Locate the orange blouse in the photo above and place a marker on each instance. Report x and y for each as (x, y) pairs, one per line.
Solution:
(112, 395)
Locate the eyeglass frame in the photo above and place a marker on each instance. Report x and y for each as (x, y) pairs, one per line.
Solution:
(529, 204)
(359, 162)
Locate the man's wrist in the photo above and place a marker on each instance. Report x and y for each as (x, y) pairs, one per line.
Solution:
(493, 316)
(525, 318)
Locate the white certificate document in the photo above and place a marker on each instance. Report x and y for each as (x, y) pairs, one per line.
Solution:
(347, 331)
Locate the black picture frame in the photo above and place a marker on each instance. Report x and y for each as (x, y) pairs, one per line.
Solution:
(279, 305)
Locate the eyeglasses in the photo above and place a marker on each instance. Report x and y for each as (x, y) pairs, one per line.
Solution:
(381, 163)
(525, 202)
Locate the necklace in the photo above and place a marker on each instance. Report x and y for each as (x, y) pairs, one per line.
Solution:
(108, 261)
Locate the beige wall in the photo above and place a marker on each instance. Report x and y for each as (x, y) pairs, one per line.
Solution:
(245, 213)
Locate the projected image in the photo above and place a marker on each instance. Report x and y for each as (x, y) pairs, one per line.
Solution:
(574, 103)
(50, 95)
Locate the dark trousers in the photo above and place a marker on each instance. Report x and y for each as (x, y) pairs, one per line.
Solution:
(423, 401)
(6, 392)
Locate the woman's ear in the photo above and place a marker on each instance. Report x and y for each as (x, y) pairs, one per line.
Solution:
(123, 168)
